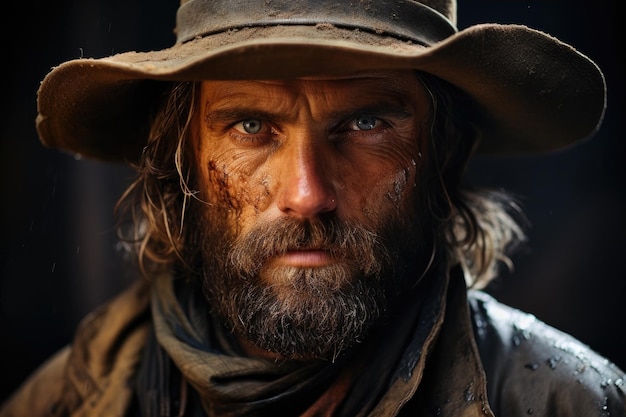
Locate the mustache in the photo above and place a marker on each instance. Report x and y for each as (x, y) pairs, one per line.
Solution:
(349, 241)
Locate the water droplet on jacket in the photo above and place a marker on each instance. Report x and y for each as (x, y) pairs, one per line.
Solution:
(468, 394)
(606, 383)
(621, 384)
(516, 341)
(532, 366)
(553, 361)
(530, 411)
(605, 408)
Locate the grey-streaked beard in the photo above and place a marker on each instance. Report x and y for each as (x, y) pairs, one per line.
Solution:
(303, 313)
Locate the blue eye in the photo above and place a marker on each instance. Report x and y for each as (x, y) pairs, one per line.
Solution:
(251, 126)
(366, 123)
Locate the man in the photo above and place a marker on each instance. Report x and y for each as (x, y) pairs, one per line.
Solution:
(299, 215)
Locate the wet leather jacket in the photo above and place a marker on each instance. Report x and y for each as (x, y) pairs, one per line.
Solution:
(488, 360)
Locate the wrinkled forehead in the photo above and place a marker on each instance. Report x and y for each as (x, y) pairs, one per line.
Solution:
(401, 86)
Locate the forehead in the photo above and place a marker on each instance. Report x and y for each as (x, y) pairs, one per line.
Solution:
(372, 86)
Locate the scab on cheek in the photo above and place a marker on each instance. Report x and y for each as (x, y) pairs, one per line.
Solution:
(236, 192)
(262, 196)
(219, 186)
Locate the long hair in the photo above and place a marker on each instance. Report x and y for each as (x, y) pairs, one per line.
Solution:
(151, 213)
(474, 228)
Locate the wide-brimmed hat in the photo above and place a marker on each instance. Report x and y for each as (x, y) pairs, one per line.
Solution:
(531, 92)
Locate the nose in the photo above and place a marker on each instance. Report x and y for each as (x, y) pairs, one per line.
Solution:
(307, 188)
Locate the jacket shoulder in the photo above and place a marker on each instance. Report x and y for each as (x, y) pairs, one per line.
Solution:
(97, 370)
(40, 394)
(534, 369)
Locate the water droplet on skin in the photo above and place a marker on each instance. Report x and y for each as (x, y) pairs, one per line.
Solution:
(516, 341)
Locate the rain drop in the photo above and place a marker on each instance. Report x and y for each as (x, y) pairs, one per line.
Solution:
(553, 361)
(605, 408)
(532, 366)
(468, 394)
(621, 384)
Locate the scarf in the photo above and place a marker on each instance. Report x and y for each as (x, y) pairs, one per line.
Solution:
(192, 367)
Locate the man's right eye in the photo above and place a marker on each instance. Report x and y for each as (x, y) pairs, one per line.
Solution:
(250, 126)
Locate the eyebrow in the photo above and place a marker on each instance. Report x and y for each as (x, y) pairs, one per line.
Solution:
(378, 109)
(232, 114)
(228, 115)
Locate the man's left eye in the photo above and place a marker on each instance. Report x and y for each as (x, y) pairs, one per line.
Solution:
(250, 126)
(365, 123)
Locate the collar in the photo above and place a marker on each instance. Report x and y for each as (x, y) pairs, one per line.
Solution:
(428, 361)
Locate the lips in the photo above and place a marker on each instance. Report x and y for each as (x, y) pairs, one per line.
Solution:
(306, 258)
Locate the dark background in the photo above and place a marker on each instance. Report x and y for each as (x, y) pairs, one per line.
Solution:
(57, 250)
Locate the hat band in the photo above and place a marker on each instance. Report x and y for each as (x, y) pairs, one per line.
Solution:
(404, 19)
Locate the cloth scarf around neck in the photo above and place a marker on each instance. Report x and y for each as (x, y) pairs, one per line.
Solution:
(192, 368)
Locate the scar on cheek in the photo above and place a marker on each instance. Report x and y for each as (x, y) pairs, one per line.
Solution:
(218, 184)
(219, 176)
(400, 180)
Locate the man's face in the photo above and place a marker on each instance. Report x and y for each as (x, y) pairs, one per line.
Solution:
(310, 218)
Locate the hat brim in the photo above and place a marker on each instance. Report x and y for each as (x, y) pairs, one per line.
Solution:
(532, 93)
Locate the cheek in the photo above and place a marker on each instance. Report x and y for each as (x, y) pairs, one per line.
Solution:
(375, 193)
(234, 187)
(385, 182)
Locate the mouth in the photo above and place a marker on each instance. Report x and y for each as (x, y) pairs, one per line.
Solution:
(305, 258)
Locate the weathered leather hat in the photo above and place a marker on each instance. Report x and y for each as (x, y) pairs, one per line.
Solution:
(532, 93)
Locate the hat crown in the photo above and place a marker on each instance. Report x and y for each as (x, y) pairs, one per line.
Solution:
(445, 7)
(425, 22)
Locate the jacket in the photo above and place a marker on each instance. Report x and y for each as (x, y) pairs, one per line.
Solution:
(486, 359)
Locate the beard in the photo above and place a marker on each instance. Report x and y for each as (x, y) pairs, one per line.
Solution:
(306, 313)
